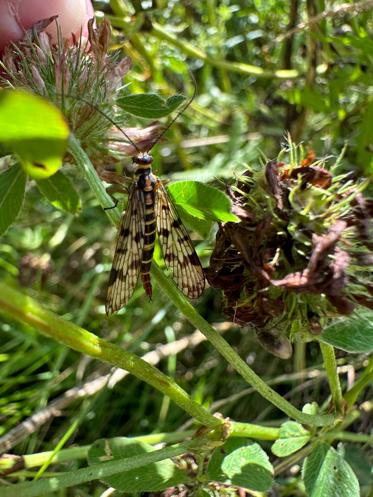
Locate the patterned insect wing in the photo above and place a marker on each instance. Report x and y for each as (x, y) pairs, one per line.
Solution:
(128, 253)
(177, 247)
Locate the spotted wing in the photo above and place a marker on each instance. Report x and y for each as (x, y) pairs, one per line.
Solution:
(128, 253)
(177, 247)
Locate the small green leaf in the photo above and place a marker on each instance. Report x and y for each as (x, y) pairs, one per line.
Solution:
(200, 226)
(311, 408)
(359, 461)
(12, 192)
(202, 201)
(241, 464)
(151, 478)
(327, 474)
(149, 105)
(292, 438)
(60, 192)
(33, 129)
(353, 333)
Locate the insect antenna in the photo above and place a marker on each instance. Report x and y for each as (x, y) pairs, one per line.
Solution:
(181, 111)
(97, 109)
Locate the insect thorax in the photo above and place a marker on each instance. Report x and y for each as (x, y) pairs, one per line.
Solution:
(145, 178)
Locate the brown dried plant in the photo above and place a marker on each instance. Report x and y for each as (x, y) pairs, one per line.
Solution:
(301, 253)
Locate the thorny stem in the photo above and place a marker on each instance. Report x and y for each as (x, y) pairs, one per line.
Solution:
(184, 306)
(332, 374)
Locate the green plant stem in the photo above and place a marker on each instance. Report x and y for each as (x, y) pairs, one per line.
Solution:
(230, 355)
(188, 49)
(339, 433)
(184, 306)
(118, 7)
(76, 453)
(27, 310)
(299, 356)
(254, 431)
(365, 378)
(162, 34)
(89, 172)
(94, 472)
(349, 437)
(289, 461)
(332, 374)
(60, 444)
(29, 461)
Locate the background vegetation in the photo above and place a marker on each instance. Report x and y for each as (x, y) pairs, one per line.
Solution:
(261, 68)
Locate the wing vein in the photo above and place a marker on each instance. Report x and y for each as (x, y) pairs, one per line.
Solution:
(177, 247)
(128, 253)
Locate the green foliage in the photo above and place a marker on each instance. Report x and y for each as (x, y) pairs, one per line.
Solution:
(292, 438)
(23, 129)
(60, 192)
(241, 464)
(202, 201)
(361, 465)
(327, 474)
(353, 334)
(255, 78)
(149, 478)
(12, 191)
(149, 105)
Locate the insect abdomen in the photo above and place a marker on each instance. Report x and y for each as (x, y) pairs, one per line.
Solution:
(149, 235)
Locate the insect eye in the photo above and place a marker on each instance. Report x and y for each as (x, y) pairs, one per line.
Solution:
(147, 159)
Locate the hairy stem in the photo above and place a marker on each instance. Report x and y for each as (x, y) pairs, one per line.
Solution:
(254, 431)
(27, 310)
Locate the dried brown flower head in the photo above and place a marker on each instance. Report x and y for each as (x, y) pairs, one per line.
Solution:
(301, 253)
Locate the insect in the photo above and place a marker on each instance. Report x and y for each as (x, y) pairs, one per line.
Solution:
(150, 211)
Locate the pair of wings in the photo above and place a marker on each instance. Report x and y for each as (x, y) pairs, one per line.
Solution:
(176, 246)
